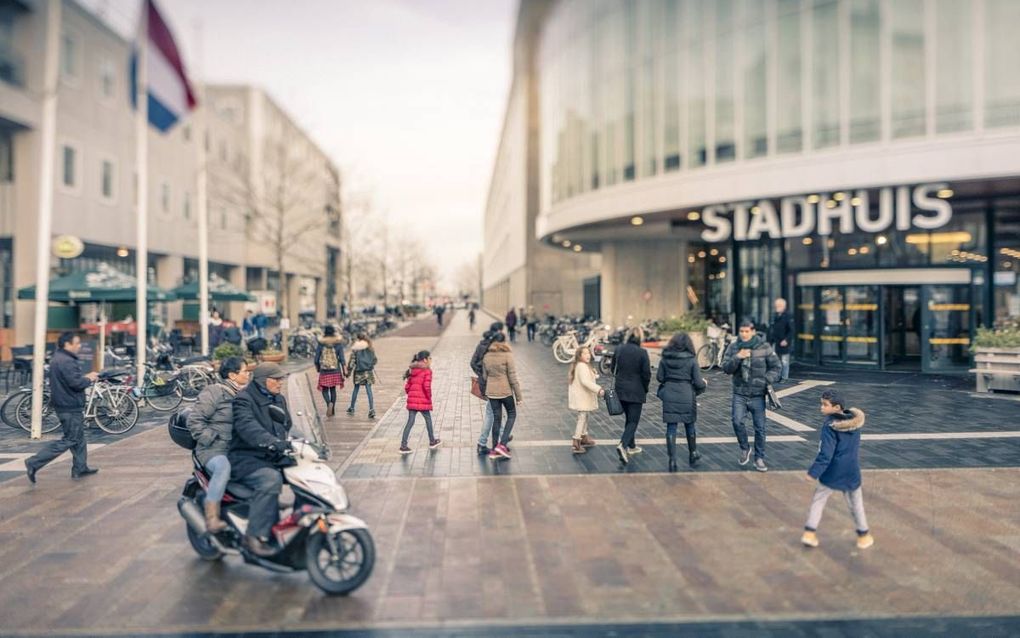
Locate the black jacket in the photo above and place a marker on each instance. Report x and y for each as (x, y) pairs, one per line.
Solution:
(255, 431)
(680, 381)
(633, 373)
(476, 362)
(781, 330)
(67, 383)
(763, 368)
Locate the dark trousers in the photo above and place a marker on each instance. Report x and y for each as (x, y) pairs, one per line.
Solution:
(512, 330)
(263, 508)
(532, 328)
(755, 406)
(411, 414)
(498, 405)
(329, 395)
(73, 426)
(632, 412)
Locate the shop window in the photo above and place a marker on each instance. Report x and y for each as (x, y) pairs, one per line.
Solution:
(1007, 263)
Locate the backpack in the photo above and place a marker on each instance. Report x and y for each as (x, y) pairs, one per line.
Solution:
(328, 360)
(364, 360)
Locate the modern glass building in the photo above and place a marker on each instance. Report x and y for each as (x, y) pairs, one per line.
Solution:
(859, 157)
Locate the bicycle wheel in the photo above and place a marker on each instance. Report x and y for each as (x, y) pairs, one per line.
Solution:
(116, 410)
(561, 353)
(707, 355)
(192, 383)
(9, 410)
(50, 421)
(164, 397)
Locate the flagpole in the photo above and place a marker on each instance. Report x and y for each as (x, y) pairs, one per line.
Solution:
(142, 162)
(47, 154)
(201, 121)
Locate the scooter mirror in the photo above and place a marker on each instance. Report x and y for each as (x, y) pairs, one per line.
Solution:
(277, 414)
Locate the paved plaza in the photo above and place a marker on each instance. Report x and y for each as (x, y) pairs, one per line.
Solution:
(552, 544)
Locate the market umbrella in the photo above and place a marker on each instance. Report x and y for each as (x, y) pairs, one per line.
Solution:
(103, 283)
(219, 290)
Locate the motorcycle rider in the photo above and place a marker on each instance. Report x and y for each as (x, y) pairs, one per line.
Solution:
(255, 452)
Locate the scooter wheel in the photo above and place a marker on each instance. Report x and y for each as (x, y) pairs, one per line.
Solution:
(340, 575)
(202, 545)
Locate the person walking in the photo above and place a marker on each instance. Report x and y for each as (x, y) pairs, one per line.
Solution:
(211, 423)
(583, 397)
(476, 366)
(261, 322)
(67, 396)
(362, 368)
(471, 318)
(837, 468)
(503, 392)
(511, 325)
(532, 323)
(680, 382)
(329, 363)
(754, 366)
(248, 325)
(418, 387)
(439, 310)
(780, 337)
(215, 330)
(633, 372)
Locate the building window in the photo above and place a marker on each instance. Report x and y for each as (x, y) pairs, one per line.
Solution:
(908, 67)
(186, 205)
(671, 87)
(696, 96)
(725, 89)
(825, 74)
(754, 78)
(6, 156)
(69, 169)
(107, 180)
(953, 60)
(1002, 50)
(107, 79)
(164, 198)
(789, 133)
(865, 72)
(69, 54)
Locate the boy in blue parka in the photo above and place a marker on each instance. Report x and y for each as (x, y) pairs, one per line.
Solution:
(837, 468)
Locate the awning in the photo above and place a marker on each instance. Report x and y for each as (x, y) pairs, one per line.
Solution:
(219, 290)
(93, 286)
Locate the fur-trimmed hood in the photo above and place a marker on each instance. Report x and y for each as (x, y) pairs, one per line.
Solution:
(359, 345)
(499, 346)
(330, 341)
(848, 420)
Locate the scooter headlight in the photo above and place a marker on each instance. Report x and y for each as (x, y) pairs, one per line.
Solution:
(334, 494)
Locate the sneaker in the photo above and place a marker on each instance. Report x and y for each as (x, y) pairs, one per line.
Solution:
(481, 449)
(494, 453)
(621, 452)
(576, 447)
(404, 449)
(634, 450)
(350, 411)
(809, 539)
(587, 441)
(371, 414)
(745, 456)
(503, 451)
(435, 444)
(865, 540)
(759, 464)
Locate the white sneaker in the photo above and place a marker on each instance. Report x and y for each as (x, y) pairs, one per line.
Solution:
(621, 451)
(634, 450)
(745, 456)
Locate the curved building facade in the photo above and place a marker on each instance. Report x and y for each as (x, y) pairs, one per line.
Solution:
(859, 157)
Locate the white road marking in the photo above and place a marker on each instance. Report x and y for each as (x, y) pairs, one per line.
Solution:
(802, 386)
(940, 436)
(18, 462)
(788, 422)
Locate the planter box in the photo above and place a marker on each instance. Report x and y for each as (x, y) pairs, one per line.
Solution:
(997, 369)
(274, 358)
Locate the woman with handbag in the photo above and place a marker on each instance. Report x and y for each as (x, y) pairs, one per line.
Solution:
(680, 382)
(583, 397)
(633, 374)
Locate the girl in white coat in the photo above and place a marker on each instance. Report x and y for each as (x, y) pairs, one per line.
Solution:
(583, 397)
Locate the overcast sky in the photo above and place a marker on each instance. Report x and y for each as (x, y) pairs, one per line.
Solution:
(406, 96)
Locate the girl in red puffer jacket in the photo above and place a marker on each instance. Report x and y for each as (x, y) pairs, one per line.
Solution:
(418, 386)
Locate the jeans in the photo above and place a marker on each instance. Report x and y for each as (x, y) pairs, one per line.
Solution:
(368, 391)
(632, 412)
(785, 360)
(755, 406)
(513, 333)
(411, 414)
(483, 439)
(498, 405)
(219, 474)
(582, 425)
(263, 507)
(532, 328)
(854, 500)
(73, 426)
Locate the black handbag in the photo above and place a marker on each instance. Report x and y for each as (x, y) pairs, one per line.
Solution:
(772, 399)
(613, 405)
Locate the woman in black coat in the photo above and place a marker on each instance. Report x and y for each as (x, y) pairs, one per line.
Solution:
(680, 382)
(633, 374)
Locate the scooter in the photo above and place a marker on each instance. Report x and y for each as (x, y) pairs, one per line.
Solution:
(316, 534)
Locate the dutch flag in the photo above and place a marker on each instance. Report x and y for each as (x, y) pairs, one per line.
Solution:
(170, 94)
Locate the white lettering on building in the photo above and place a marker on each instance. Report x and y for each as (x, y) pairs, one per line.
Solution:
(798, 216)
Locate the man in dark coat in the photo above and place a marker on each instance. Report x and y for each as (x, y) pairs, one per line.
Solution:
(67, 396)
(781, 336)
(479, 370)
(633, 374)
(753, 366)
(256, 449)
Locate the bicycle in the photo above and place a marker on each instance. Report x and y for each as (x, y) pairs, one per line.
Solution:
(711, 354)
(163, 393)
(565, 347)
(112, 407)
(22, 410)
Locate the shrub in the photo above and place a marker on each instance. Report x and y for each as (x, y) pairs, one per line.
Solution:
(683, 323)
(225, 350)
(1006, 337)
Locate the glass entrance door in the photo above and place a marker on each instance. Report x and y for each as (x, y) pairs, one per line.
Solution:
(862, 324)
(946, 327)
(902, 317)
(832, 325)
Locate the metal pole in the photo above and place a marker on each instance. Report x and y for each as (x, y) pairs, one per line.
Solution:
(201, 126)
(45, 213)
(142, 162)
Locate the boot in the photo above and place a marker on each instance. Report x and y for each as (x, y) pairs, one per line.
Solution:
(692, 447)
(577, 447)
(587, 441)
(213, 522)
(671, 451)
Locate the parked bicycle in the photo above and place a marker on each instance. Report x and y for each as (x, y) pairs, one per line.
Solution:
(109, 404)
(711, 354)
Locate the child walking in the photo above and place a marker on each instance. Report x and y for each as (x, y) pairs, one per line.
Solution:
(329, 363)
(362, 367)
(583, 397)
(418, 386)
(837, 468)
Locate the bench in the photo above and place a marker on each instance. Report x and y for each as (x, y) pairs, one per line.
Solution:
(997, 369)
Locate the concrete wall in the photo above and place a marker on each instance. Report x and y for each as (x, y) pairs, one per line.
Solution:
(629, 268)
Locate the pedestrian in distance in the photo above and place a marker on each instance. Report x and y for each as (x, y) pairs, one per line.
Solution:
(837, 468)
(680, 382)
(67, 396)
(361, 367)
(215, 330)
(248, 325)
(532, 323)
(780, 336)
(439, 310)
(418, 387)
(479, 370)
(261, 323)
(211, 423)
(471, 319)
(329, 363)
(633, 372)
(754, 367)
(511, 324)
(503, 392)
(583, 398)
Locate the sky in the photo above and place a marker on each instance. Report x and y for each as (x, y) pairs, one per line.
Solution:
(406, 96)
